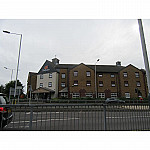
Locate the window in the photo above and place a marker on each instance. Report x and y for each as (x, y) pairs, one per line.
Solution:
(41, 84)
(113, 83)
(127, 95)
(75, 95)
(126, 83)
(137, 74)
(50, 84)
(88, 83)
(88, 73)
(101, 95)
(100, 75)
(63, 75)
(89, 95)
(63, 84)
(113, 95)
(100, 83)
(75, 73)
(41, 76)
(138, 83)
(64, 95)
(125, 74)
(75, 83)
(112, 75)
(50, 75)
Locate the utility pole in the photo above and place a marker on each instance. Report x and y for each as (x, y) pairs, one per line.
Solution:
(95, 80)
(145, 56)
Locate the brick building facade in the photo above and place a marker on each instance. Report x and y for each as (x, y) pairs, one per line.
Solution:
(78, 80)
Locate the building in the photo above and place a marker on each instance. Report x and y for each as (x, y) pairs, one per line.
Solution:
(78, 80)
(31, 82)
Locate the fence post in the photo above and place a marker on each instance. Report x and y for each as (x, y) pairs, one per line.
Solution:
(104, 117)
(31, 117)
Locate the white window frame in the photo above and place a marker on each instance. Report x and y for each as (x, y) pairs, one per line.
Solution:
(114, 95)
(88, 73)
(137, 75)
(75, 84)
(125, 74)
(49, 84)
(64, 95)
(112, 75)
(127, 95)
(89, 95)
(75, 73)
(41, 84)
(50, 75)
(126, 84)
(41, 76)
(101, 95)
(138, 84)
(75, 95)
(88, 84)
(101, 84)
(113, 84)
(63, 75)
(63, 84)
(100, 75)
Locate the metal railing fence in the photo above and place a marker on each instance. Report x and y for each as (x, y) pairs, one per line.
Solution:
(77, 101)
(79, 117)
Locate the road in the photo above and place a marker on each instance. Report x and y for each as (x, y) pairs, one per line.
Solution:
(81, 120)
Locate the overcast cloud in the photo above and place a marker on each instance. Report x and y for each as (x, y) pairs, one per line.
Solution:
(72, 41)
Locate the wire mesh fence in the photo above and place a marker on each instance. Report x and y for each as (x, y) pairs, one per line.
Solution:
(78, 117)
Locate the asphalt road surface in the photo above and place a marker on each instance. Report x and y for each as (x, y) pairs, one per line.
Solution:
(81, 120)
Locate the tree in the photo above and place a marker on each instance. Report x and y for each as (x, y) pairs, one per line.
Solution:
(12, 84)
(2, 89)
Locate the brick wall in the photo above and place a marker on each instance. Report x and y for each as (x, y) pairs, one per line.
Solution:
(82, 79)
(132, 79)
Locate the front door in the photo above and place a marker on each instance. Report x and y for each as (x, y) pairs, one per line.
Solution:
(107, 93)
(82, 92)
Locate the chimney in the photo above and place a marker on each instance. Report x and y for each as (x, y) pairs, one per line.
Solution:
(118, 63)
(55, 61)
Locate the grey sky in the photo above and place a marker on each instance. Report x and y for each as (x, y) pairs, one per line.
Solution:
(72, 41)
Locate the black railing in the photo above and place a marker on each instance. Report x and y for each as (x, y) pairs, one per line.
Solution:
(72, 101)
(79, 117)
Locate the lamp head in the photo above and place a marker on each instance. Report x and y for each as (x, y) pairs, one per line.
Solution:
(6, 32)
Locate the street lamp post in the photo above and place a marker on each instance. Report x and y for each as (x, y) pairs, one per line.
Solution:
(11, 72)
(146, 62)
(95, 79)
(10, 80)
(18, 58)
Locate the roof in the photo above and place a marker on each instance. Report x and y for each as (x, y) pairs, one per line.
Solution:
(32, 73)
(43, 90)
(99, 68)
(106, 68)
(64, 90)
(66, 66)
(48, 67)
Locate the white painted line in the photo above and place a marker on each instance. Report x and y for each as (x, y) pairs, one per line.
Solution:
(128, 117)
(52, 119)
(28, 113)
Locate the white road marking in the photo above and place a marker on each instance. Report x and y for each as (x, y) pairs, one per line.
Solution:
(28, 113)
(127, 117)
(57, 119)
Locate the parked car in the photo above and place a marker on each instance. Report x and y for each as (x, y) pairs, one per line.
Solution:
(5, 111)
(113, 100)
